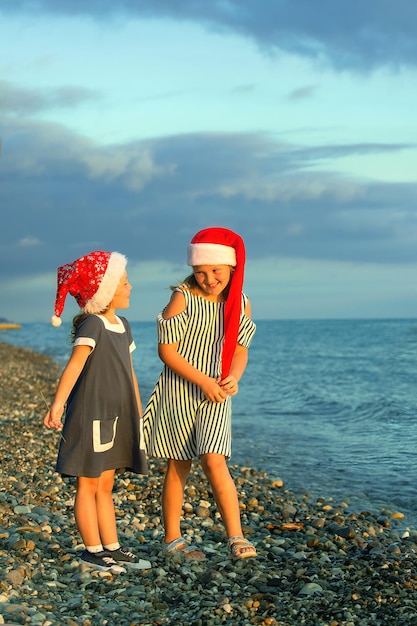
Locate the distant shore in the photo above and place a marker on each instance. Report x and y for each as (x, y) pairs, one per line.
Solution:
(318, 564)
(9, 326)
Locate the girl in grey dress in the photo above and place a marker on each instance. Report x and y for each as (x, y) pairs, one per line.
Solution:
(99, 393)
(203, 337)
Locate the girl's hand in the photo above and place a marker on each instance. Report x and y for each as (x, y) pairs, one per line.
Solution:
(213, 391)
(53, 417)
(229, 385)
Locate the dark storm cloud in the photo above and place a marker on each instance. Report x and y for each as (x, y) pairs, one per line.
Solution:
(360, 34)
(147, 198)
(21, 101)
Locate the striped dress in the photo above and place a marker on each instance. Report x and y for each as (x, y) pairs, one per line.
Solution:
(179, 422)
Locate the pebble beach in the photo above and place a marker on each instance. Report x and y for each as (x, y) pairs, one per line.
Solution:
(320, 563)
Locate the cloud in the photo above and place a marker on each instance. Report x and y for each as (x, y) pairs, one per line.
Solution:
(359, 35)
(28, 242)
(22, 101)
(244, 89)
(302, 93)
(317, 195)
(146, 198)
(35, 148)
(132, 165)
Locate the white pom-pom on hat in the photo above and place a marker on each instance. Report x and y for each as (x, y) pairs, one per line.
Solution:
(56, 321)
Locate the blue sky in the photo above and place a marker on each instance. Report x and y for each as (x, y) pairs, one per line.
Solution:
(129, 126)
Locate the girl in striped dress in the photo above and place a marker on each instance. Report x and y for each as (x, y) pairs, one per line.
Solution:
(203, 337)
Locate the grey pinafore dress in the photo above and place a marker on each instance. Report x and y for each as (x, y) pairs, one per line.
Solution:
(102, 428)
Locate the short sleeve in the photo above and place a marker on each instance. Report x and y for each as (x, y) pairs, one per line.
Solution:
(171, 330)
(247, 329)
(88, 331)
(247, 326)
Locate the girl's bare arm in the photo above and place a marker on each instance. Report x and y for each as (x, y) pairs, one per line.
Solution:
(168, 353)
(67, 381)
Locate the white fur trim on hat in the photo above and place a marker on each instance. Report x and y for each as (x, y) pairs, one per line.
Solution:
(210, 254)
(104, 294)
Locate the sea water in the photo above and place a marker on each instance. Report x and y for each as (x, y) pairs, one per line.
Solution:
(329, 407)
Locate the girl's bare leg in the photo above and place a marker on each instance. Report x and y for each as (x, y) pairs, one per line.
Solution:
(224, 493)
(172, 500)
(105, 509)
(94, 509)
(173, 497)
(85, 510)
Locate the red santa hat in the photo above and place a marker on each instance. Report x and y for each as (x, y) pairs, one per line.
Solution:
(92, 280)
(220, 246)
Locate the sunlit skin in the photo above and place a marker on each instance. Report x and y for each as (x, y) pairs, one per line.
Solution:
(213, 283)
(93, 506)
(121, 300)
(213, 280)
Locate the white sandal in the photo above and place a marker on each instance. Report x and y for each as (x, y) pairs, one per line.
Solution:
(180, 546)
(241, 548)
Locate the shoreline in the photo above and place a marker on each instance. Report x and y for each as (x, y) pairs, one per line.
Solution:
(9, 326)
(318, 565)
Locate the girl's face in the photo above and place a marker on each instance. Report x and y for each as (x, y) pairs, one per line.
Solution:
(213, 280)
(122, 294)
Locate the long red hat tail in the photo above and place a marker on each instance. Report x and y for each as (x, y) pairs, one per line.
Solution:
(233, 306)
